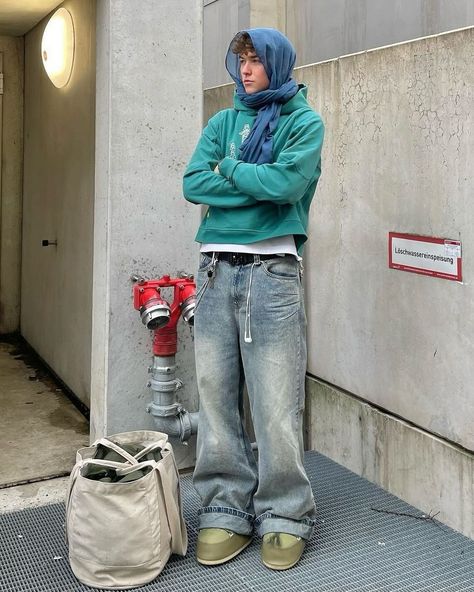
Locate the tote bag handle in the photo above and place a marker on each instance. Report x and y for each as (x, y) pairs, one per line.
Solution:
(116, 448)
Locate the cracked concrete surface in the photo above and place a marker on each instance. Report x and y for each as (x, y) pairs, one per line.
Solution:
(40, 429)
(397, 157)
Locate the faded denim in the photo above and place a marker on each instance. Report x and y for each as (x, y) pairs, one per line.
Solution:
(264, 302)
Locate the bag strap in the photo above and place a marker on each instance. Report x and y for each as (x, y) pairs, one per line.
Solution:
(132, 459)
(116, 448)
(130, 469)
(176, 524)
(111, 464)
(150, 448)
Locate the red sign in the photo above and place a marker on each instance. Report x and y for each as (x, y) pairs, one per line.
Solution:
(437, 257)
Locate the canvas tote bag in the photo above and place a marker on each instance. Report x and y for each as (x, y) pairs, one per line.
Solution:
(121, 533)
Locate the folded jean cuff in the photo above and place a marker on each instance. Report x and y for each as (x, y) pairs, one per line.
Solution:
(271, 523)
(228, 518)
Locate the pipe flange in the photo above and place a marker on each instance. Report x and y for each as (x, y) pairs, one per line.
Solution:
(164, 411)
(185, 426)
(164, 369)
(163, 373)
(168, 386)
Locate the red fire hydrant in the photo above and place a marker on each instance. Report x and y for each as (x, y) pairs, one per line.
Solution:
(162, 318)
(159, 316)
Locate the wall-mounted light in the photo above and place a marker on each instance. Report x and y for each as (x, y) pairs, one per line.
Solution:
(57, 47)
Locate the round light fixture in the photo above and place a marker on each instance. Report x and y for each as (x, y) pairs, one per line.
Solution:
(57, 47)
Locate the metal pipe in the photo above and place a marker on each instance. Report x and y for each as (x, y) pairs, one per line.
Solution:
(168, 414)
(181, 426)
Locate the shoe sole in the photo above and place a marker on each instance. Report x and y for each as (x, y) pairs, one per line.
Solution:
(279, 567)
(224, 559)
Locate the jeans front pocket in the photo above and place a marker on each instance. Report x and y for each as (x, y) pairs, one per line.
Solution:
(281, 268)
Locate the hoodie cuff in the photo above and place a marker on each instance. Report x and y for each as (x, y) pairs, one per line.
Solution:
(227, 167)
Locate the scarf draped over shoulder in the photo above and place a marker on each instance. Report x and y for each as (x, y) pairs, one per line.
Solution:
(278, 58)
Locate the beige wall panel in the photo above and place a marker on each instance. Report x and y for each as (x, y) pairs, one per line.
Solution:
(58, 205)
(325, 29)
(221, 21)
(268, 13)
(11, 183)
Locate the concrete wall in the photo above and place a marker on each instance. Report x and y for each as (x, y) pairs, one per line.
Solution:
(56, 302)
(426, 471)
(397, 157)
(149, 115)
(325, 29)
(11, 177)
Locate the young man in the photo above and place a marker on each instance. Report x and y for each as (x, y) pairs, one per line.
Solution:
(256, 166)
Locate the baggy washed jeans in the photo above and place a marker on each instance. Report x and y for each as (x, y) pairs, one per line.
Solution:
(250, 326)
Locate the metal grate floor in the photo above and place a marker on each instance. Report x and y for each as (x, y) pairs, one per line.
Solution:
(354, 549)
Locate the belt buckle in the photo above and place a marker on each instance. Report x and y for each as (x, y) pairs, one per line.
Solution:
(236, 259)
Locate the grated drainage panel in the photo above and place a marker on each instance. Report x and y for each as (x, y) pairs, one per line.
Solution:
(354, 549)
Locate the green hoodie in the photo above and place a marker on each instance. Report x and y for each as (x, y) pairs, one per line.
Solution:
(252, 202)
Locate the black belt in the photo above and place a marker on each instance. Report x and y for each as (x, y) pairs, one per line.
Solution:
(240, 258)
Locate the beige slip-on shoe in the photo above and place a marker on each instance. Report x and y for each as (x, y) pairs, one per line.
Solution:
(281, 550)
(217, 545)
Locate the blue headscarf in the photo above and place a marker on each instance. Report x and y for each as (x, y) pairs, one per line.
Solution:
(278, 58)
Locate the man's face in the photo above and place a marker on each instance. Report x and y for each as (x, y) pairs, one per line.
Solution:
(252, 73)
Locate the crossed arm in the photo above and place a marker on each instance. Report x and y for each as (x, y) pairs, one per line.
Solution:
(237, 184)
